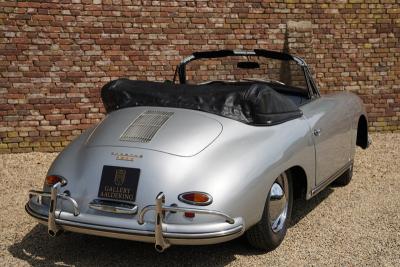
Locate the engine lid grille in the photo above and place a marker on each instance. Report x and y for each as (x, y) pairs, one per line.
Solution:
(145, 126)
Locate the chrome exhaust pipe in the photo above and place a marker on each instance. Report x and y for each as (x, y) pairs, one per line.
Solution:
(161, 243)
(53, 228)
(159, 248)
(54, 234)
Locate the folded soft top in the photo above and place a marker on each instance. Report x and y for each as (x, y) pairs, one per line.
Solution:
(248, 102)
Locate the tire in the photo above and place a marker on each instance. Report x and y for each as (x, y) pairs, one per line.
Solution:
(345, 178)
(262, 236)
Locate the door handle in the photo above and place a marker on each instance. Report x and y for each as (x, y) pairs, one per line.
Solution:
(317, 132)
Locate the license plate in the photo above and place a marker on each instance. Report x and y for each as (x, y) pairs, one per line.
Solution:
(119, 183)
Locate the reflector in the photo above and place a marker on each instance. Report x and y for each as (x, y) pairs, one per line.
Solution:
(189, 214)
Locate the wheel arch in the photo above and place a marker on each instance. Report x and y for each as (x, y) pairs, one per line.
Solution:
(362, 132)
(299, 180)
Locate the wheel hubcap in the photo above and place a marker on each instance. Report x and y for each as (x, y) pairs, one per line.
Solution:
(278, 203)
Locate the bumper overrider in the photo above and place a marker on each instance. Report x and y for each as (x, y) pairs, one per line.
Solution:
(60, 220)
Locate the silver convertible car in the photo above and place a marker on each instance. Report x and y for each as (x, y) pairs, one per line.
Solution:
(222, 150)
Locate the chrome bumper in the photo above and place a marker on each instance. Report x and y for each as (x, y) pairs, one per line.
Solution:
(162, 239)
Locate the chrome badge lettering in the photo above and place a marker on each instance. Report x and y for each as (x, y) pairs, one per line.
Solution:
(126, 156)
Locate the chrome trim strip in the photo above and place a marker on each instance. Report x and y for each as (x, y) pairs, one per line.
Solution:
(325, 183)
(244, 53)
(110, 231)
(231, 231)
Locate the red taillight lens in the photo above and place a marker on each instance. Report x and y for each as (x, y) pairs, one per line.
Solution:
(196, 198)
(53, 179)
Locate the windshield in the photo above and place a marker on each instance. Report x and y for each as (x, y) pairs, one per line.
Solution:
(233, 69)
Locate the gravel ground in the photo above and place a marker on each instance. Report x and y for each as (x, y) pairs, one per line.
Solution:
(354, 225)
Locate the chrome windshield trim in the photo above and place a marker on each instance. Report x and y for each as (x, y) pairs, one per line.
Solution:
(244, 53)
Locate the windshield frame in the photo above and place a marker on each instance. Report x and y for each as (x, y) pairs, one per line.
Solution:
(180, 71)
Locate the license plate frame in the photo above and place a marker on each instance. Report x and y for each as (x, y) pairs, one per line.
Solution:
(119, 183)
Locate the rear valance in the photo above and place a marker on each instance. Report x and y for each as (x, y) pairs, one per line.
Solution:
(256, 104)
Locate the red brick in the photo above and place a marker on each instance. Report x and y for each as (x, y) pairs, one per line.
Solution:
(54, 76)
(53, 117)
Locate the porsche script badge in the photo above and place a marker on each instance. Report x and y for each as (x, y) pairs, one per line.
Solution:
(126, 156)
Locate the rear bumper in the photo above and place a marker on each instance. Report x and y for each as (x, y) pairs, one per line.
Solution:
(162, 238)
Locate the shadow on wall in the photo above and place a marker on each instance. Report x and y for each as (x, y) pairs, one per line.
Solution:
(284, 72)
(38, 249)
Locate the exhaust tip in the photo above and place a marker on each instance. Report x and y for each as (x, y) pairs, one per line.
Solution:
(159, 248)
(54, 234)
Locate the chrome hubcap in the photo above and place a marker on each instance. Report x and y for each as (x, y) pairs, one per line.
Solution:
(278, 203)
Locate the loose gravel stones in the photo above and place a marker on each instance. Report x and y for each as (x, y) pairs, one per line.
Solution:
(343, 226)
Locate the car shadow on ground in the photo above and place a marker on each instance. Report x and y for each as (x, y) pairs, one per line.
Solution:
(38, 249)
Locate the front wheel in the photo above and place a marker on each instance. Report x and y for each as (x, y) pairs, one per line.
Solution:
(269, 232)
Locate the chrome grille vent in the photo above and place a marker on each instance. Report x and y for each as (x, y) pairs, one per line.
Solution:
(144, 127)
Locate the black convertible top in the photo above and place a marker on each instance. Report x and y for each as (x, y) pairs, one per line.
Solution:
(248, 102)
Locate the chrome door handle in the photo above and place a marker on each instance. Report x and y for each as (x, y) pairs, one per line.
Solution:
(317, 132)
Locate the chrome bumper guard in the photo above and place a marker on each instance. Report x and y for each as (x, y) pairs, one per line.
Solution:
(161, 243)
(53, 228)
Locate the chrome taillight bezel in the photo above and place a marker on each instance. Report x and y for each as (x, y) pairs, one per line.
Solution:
(195, 203)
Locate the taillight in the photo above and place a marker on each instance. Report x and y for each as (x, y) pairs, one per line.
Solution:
(196, 198)
(53, 179)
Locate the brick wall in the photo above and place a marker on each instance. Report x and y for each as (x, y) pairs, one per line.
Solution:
(54, 57)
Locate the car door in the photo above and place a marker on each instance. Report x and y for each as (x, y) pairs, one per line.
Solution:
(329, 122)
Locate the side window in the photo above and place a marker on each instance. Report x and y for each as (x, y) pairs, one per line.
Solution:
(292, 74)
(311, 82)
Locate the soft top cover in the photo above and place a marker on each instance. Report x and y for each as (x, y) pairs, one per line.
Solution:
(248, 102)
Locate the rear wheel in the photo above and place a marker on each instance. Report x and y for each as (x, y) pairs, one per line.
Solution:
(345, 178)
(269, 232)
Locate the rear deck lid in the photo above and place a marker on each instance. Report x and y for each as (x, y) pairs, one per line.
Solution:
(175, 131)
